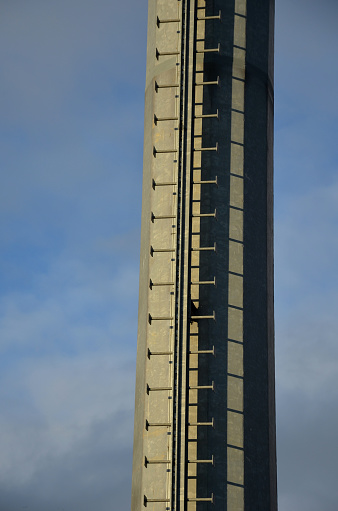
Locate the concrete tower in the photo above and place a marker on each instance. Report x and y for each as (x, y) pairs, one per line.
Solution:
(205, 399)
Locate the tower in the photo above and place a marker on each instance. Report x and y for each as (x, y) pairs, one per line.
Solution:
(205, 414)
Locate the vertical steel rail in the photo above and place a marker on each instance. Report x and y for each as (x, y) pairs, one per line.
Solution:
(180, 419)
(177, 351)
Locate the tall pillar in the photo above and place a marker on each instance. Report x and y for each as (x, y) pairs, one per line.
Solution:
(205, 401)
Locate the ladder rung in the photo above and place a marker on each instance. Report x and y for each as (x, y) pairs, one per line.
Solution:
(208, 116)
(203, 461)
(201, 499)
(203, 282)
(202, 249)
(163, 151)
(199, 149)
(151, 353)
(202, 387)
(165, 53)
(158, 21)
(202, 423)
(169, 183)
(162, 318)
(215, 82)
(157, 284)
(196, 318)
(210, 50)
(155, 462)
(157, 425)
(146, 500)
(157, 389)
(163, 250)
(161, 217)
(219, 17)
(203, 352)
(159, 119)
(213, 182)
(165, 86)
(203, 215)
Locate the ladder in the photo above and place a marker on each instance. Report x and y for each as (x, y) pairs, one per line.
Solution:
(177, 344)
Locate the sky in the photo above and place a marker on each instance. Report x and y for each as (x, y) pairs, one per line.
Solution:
(72, 82)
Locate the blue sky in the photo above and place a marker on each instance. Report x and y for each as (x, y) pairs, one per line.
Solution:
(71, 136)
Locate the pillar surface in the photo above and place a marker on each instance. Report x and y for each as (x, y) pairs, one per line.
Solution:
(205, 401)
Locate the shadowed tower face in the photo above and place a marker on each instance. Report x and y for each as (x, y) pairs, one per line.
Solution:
(205, 414)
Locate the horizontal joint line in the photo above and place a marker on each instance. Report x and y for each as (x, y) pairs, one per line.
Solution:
(235, 447)
(235, 207)
(235, 484)
(236, 241)
(239, 47)
(235, 411)
(235, 376)
(234, 273)
(235, 307)
(239, 79)
(236, 342)
(240, 15)
(238, 111)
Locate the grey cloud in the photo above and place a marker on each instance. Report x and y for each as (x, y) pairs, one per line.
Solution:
(306, 241)
(306, 38)
(306, 348)
(93, 474)
(307, 457)
(47, 48)
(74, 450)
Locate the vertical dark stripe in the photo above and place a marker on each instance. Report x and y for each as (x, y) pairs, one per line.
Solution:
(258, 294)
